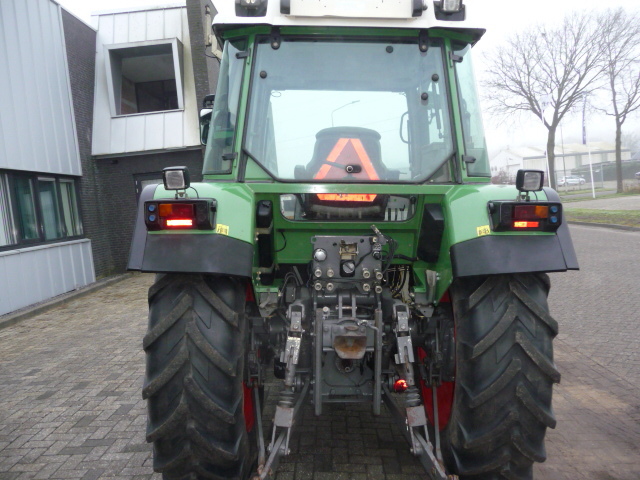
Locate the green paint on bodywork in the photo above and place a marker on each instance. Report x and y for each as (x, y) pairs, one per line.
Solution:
(235, 207)
(464, 205)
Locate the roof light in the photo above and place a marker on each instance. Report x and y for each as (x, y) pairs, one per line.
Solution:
(449, 10)
(176, 178)
(251, 8)
(451, 6)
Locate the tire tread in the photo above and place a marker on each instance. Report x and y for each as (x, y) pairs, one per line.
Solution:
(505, 373)
(193, 385)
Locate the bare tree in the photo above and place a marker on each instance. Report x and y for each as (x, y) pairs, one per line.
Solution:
(621, 61)
(560, 63)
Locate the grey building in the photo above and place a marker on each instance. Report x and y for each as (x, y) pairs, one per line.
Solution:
(44, 251)
(86, 123)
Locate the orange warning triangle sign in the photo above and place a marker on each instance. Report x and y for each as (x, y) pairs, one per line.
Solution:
(347, 151)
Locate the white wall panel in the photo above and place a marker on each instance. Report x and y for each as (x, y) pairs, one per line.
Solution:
(134, 141)
(152, 131)
(173, 130)
(137, 27)
(121, 28)
(153, 125)
(119, 134)
(31, 275)
(173, 22)
(106, 28)
(155, 25)
(35, 95)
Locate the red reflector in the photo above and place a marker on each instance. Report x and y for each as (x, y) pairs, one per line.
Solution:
(526, 224)
(400, 386)
(180, 222)
(347, 197)
(176, 210)
(530, 212)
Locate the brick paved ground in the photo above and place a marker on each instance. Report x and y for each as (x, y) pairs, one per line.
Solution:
(70, 381)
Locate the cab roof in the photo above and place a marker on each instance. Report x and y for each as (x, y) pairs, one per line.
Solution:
(409, 14)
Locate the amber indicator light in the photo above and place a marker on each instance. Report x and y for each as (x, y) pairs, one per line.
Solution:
(530, 212)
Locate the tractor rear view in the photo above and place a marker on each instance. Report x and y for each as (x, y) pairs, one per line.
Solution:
(346, 236)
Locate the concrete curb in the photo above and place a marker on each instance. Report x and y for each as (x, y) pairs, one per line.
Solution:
(606, 225)
(32, 310)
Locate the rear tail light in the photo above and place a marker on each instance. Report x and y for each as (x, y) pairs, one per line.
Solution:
(180, 214)
(179, 222)
(519, 216)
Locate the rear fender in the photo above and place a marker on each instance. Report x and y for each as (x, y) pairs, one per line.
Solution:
(499, 254)
(206, 252)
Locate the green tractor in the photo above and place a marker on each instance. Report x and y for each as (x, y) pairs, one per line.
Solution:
(347, 238)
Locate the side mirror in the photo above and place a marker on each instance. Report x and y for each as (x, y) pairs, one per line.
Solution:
(205, 120)
(207, 101)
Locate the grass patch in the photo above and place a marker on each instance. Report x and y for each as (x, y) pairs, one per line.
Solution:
(629, 218)
(569, 193)
(599, 197)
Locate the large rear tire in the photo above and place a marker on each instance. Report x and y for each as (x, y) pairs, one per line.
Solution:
(195, 349)
(504, 377)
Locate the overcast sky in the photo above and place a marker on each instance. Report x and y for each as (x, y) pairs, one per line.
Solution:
(501, 18)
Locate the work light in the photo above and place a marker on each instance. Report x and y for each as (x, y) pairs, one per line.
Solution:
(529, 180)
(176, 178)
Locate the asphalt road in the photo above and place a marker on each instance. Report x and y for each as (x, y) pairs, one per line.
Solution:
(70, 382)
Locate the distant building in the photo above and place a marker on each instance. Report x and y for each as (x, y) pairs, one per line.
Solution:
(568, 158)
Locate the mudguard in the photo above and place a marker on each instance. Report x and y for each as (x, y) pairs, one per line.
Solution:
(492, 255)
(172, 252)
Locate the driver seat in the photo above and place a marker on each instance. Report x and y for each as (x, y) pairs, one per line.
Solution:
(343, 153)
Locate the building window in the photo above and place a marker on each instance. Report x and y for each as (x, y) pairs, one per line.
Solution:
(144, 77)
(7, 225)
(37, 209)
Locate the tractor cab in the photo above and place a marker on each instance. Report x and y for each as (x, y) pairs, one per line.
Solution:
(399, 101)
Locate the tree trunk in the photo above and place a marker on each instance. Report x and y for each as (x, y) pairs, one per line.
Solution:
(551, 156)
(619, 156)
